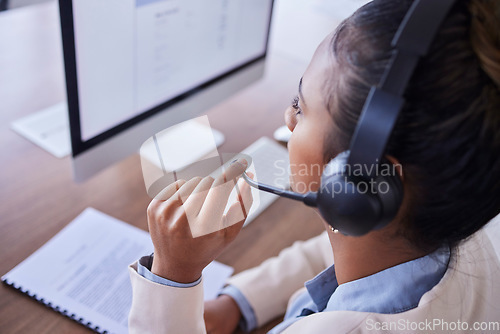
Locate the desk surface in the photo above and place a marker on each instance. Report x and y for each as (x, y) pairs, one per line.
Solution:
(37, 194)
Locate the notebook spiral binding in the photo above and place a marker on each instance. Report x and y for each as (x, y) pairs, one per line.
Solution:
(56, 308)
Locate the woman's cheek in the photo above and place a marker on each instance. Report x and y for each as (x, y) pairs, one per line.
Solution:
(296, 156)
(306, 159)
(291, 157)
(299, 158)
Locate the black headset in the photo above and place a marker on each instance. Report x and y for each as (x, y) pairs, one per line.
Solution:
(370, 199)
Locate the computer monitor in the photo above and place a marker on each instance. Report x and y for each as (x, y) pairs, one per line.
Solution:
(136, 67)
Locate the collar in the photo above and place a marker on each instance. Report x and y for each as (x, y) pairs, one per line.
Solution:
(392, 290)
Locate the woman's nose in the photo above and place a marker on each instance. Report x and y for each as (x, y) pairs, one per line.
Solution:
(290, 119)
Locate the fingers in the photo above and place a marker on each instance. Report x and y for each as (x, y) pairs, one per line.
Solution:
(164, 195)
(203, 201)
(168, 191)
(235, 169)
(240, 209)
(250, 175)
(222, 187)
(238, 212)
(188, 188)
(214, 205)
(195, 202)
(245, 195)
(204, 185)
(219, 188)
(182, 193)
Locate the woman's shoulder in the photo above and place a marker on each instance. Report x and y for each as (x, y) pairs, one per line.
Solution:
(466, 296)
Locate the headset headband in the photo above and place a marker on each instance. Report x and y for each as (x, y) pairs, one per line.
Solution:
(384, 103)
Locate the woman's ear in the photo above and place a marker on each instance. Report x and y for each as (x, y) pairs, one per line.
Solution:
(397, 166)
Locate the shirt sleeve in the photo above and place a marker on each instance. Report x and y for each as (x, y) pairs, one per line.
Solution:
(281, 276)
(158, 308)
(144, 269)
(248, 320)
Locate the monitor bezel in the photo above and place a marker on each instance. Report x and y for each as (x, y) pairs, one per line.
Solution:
(78, 145)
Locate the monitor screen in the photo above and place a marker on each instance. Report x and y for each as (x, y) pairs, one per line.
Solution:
(134, 58)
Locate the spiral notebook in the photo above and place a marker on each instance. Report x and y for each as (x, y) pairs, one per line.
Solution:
(82, 271)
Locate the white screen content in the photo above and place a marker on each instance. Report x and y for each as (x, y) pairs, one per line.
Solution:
(133, 55)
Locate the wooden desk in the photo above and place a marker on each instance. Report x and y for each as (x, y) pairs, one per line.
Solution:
(37, 194)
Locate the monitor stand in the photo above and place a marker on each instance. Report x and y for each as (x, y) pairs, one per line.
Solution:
(49, 129)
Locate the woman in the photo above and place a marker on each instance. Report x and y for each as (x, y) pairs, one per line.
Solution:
(413, 271)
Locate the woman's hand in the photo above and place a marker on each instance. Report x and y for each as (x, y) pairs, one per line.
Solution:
(188, 226)
(222, 315)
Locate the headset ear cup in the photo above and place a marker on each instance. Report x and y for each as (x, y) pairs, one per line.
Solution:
(355, 206)
(390, 192)
(347, 209)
